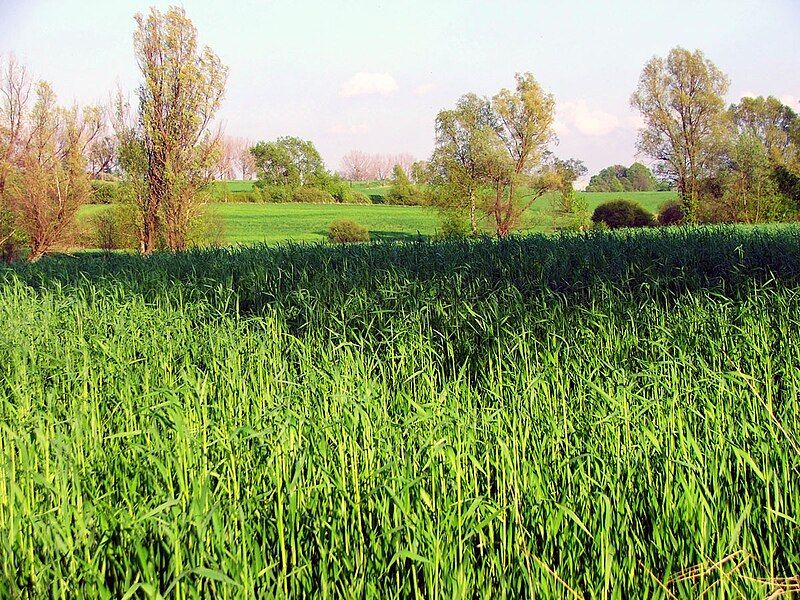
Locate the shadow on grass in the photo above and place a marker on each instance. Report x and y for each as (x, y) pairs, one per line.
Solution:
(387, 236)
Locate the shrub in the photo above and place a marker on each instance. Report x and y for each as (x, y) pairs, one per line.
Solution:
(403, 192)
(670, 213)
(252, 196)
(105, 192)
(112, 229)
(358, 198)
(345, 231)
(622, 213)
(208, 229)
(274, 193)
(10, 239)
(311, 195)
(453, 225)
(377, 199)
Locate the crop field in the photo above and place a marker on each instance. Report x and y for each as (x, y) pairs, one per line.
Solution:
(610, 415)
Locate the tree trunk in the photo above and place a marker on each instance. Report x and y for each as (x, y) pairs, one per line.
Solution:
(473, 219)
(147, 239)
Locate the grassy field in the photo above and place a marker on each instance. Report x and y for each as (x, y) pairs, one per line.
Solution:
(247, 223)
(600, 416)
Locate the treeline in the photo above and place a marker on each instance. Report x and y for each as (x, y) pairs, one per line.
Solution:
(617, 178)
(492, 160)
(162, 148)
(729, 164)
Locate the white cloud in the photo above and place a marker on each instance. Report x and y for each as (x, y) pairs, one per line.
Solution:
(362, 84)
(348, 128)
(424, 89)
(589, 121)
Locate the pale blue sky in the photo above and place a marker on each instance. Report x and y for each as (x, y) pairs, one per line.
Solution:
(292, 63)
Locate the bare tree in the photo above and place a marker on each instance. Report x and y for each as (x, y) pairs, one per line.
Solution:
(404, 160)
(15, 91)
(102, 152)
(243, 161)
(53, 182)
(356, 165)
(171, 148)
(382, 164)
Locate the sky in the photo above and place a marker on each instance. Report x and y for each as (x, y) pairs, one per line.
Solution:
(372, 75)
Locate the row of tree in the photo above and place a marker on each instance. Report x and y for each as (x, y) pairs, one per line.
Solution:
(164, 146)
(736, 164)
(492, 157)
(617, 178)
(362, 166)
(740, 163)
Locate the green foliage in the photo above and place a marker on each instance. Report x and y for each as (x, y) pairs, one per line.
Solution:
(345, 231)
(288, 161)
(356, 197)
(788, 183)
(402, 191)
(453, 224)
(670, 213)
(311, 195)
(274, 193)
(113, 228)
(622, 213)
(408, 420)
(636, 178)
(105, 192)
(11, 238)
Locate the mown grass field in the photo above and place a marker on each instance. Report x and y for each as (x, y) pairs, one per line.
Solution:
(247, 223)
(611, 415)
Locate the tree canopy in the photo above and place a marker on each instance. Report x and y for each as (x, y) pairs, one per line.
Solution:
(617, 178)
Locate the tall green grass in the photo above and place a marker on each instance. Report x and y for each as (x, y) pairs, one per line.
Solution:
(609, 416)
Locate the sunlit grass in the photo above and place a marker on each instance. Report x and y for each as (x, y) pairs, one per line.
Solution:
(612, 415)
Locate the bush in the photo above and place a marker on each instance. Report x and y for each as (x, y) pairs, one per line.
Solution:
(345, 231)
(105, 192)
(208, 229)
(252, 196)
(274, 193)
(112, 229)
(377, 199)
(358, 198)
(10, 240)
(622, 213)
(453, 225)
(670, 213)
(311, 195)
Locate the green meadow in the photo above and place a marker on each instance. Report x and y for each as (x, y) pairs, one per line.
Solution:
(247, 223)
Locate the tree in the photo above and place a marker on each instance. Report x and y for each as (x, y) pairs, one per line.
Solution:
(640, 179)
(523, 121)
(681, 101)
(168, 152)
(287, 161)
(402, 191)
(463, 137)
(771, 122)
(420, 171)
(566, 206)
(404, 160)
(15, 90)
(53, 182)
(356, 165)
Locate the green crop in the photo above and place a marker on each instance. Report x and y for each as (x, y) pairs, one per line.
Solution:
(612, 415)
